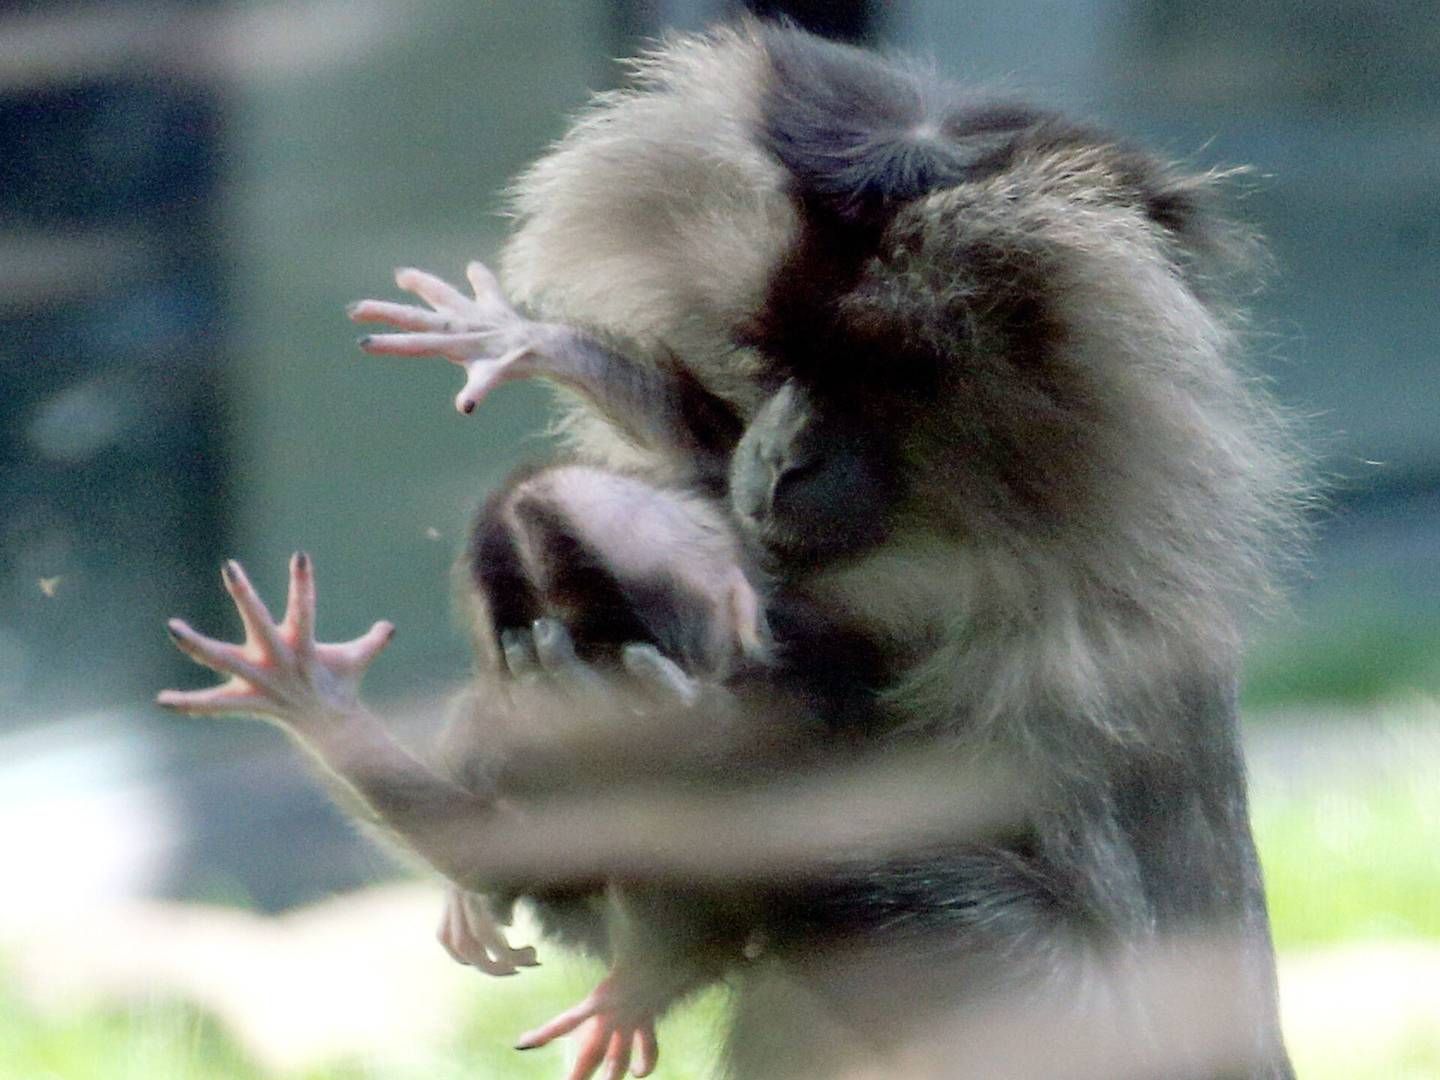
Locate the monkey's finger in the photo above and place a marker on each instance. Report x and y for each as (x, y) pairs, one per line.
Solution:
(482, 279)
(229, 698)
(593, 1045)
(484, 926)
(435, 291)
(405, 316)
(219, 656)
(449, 934)
(259, 624)
(484, 375)
(524, 956)
(519, 652)
(659, 673)
(554, 647)
(299, 618)
(457, 348)
(617, 1054)
(563, 1024)
(467, 946)
(353, 657)
(647, 1050)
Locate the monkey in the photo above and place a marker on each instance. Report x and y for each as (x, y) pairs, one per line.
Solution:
(1022, 329)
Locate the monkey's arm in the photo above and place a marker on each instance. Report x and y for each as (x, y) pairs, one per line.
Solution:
(280, 673)
(663, 409)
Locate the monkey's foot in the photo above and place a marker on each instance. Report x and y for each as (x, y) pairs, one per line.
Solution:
(472, 936)
(610, 1031)
(484, 335)
(279, 672)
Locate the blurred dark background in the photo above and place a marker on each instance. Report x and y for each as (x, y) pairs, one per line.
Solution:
(190, 193)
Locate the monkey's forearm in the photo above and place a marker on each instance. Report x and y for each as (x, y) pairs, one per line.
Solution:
(443, 822)
(662, 408)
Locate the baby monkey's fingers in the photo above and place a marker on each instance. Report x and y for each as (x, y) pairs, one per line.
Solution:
(455, 347)
(660, 674)
(404, 316)
(472, 937)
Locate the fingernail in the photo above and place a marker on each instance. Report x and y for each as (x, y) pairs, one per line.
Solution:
(351, 308)
(469, 407)
(174, 634)
(227, 570)
(363, 340)
(302, 561)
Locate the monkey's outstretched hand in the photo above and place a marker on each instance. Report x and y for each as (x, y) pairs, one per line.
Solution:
(483, 334)
(610, 1031)
(279, 672)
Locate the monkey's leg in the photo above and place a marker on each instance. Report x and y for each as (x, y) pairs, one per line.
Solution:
(662, 945)
(494, 343)
(311, 689)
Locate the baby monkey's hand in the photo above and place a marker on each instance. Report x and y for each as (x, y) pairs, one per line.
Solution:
(473, 936)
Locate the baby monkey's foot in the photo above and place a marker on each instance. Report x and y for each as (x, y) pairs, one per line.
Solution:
(474, 937)
(279, 672)
(610, 1032)
(483, 334)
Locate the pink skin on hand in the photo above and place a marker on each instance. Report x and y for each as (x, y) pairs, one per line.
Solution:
(472, 936)
(609, 1035)
(484, 335)
(279, 672)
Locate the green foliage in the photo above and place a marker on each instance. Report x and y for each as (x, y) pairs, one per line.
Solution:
(1357, 860)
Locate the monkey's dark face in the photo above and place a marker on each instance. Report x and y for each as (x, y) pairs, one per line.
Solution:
(807, 484)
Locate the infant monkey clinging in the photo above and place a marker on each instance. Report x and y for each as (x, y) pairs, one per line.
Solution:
(780, 268)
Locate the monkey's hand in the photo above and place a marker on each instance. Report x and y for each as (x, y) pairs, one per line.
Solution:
(473, 936)
(279, 672)
(483, 334)
(611, 1030)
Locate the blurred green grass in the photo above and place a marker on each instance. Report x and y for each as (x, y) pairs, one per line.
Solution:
(172, 1040)
(1351, 861)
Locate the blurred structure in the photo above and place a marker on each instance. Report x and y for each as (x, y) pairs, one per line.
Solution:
(189, 193)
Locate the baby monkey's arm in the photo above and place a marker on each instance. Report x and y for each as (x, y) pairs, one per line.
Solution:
(311, 689)
(663, 408)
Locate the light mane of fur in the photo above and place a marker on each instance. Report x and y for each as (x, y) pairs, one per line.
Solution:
(656, 221)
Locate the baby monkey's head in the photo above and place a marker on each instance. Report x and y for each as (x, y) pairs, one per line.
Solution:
(618, 560)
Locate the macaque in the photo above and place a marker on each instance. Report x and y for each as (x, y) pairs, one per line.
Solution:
(956, 382)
